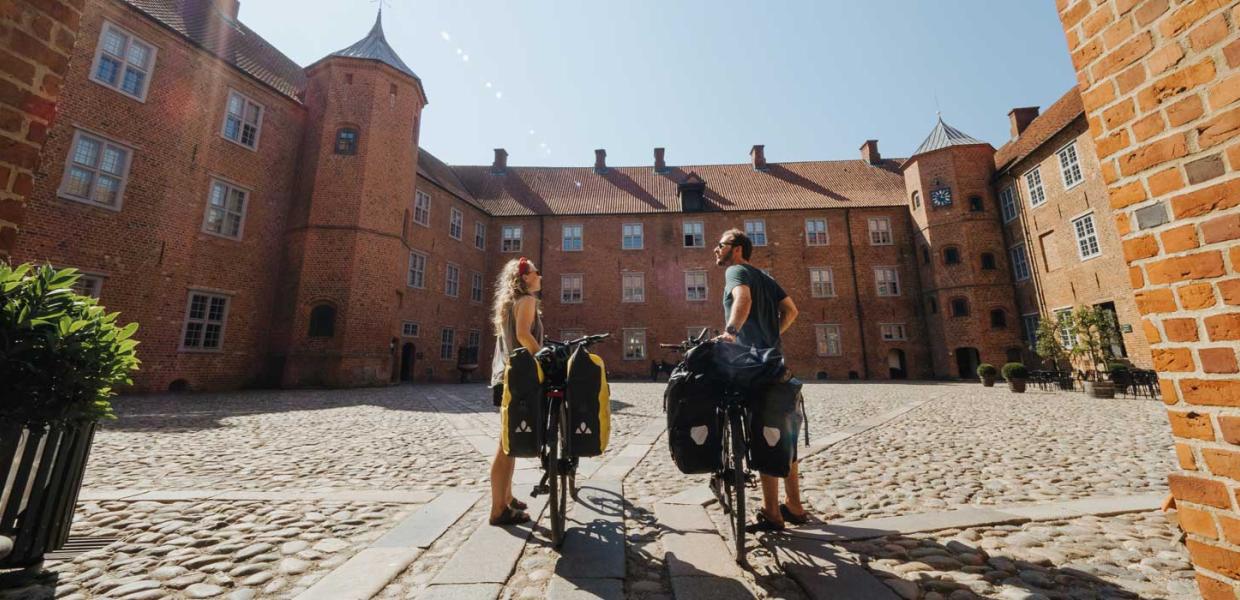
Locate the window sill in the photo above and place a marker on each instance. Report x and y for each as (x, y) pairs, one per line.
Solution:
(1091, 257)
(1073, 186)
(222, 236)
(253, 148)
(64, 196)
(200, 350)
(140, 99)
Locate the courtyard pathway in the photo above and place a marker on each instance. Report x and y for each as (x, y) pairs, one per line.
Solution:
(921, 491)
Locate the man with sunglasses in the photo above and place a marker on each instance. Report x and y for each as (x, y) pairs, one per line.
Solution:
(758, 311)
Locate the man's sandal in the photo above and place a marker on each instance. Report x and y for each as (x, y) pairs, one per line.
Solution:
(764, 524)
(517, 504)
(792, 517)
(510, 516)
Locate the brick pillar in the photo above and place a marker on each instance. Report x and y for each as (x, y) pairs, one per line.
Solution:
(36, 39)
(1161, 89)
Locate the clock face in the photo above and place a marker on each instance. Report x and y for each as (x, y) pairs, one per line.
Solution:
(941, 197)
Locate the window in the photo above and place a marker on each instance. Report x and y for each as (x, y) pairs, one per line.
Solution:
(634, 287)
(123, 62)
(694, 236)
(472, 344)
(571, 288)
(1020, 262)
(916, 199)
(1086, 237)
(88, 285)
(998, 319)
(893, 332)
(409, 329)
(452, 281)
(887, 280)
(571, 238)
(828, 340)
(456, 224)
(225, 210)
(1033, 181)
(925, 255)
(988, 261)
(634, 344)
(95, 172)
(975, 204)
(1069, 166)
(1030, 323)
(480, 235)
(322, 321)
(816, 232)
(1007, 204)
(242, 120)
(417, 270)
(510, 240)
(756, 230)
(951, 255)
(695, 286)
(204, 321)
(632, 236)
(821, 282)
(475, 288)
(960, 307)
(1065, 334)
(447, 342)
(880, 231)
(346, 141)
(422, 209)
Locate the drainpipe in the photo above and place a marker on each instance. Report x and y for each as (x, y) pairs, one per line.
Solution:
(852, 261)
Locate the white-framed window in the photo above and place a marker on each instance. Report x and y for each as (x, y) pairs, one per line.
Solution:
(452, 280)
(409, 329)
(634, 344)
(480, 235)
(880, 231)
(1069, 165)
(572, 288)
(510, 238)
(205, 315)
(447, 343)
(1033, 181)
(1030, 323)
(475, 288)
(893, 332)
(88, 285)
(1066, 338)
(417, 270)
(243, 120)
(225, 210)
(571, 238)
(422, 208)
(827, 338)
(633, 287)
(96, 171)
(456, 224)
(123, 62)
(887, 281)
(1020, 262)
(571, 334)
(821, 282)
(695, 286)
(1086, 237)
(632, 236)
(756, 230)
(694, 234)
(1007, 204)
(473, 342)
(816, 232)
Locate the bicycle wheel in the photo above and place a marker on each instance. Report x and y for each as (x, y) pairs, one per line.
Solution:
(738, 483)
(553, 477)
(564, 475)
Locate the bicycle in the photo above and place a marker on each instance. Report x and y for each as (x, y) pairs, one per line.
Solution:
(555, 454)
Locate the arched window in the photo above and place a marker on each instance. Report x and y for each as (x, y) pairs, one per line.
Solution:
(951, 255)
(998, 319)
(346, 140)
(988, 261)
(925, 254)
(323, 321)
(975, 204)
(916, 199)
(960, 307)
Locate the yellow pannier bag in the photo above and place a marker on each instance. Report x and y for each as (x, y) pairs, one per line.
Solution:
(589, 403)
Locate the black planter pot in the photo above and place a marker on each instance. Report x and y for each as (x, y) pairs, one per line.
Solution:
(46, 465)
(1017, 385)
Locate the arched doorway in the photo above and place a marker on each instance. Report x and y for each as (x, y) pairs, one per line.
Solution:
(967, 361)
(406, 361)
(895, 364)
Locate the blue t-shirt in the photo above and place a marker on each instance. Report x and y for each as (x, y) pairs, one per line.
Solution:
(761, 328)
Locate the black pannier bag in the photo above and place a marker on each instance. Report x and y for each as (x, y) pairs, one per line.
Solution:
(589, 403)
(749, 369)
(774, 423)
(694, 425)
(520, 412)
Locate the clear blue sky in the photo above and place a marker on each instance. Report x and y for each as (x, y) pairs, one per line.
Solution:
(706, 79)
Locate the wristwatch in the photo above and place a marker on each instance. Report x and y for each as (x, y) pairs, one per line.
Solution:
(730, 330)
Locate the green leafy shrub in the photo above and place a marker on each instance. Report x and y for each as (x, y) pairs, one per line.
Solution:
(1015, 370)
(986, 370)
(60, 354)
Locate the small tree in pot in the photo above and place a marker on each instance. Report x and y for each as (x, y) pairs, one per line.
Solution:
(1093, 329)
(987, 372)
(1015, 374)
(60, 357)
(1050, 348)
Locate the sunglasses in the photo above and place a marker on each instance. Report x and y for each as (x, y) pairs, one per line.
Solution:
(721, 245)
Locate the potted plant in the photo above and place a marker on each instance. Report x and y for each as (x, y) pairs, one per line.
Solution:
(1093, 329)
(60, 357)
(987, 372)
(1015, 373)
(1049, 347)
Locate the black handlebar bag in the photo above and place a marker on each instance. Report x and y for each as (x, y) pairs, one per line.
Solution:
(774, 423)
(589, 403)
(694, 424)
(521, 411)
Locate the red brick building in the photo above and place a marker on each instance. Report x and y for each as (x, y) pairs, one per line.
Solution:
(270, 224)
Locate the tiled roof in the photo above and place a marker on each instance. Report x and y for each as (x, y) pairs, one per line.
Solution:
(430, 167)
(228, 39)
(1064, 111)
(620, 190)
(943, 136)
(375, 47)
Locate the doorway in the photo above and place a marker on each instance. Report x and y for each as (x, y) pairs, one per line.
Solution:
(967, 361)
(895, 364)
(406, 361)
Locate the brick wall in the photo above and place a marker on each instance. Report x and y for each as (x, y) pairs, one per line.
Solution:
(36, 43)
(1160, 84)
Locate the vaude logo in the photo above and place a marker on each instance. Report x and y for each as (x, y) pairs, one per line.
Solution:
(583, 429)
(524, 428)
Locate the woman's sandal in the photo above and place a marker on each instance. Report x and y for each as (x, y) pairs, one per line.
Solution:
(511, 516)
(764, 524)
(792, 517)
(517, 504)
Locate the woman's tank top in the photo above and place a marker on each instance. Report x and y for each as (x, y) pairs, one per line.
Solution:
(507, 341)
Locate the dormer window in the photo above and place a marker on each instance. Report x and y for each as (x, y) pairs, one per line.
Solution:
(692, 193)
(346, 141)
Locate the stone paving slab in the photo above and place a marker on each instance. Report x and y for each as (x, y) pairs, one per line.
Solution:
(174, 495)
(463, 591)
(363, 575)
(488, 556)
(856, 530)
(594, 534)
(694, 496)
(693, 546)
(586, 589)
(826, 571)
(1100, 506)
(709, 588)
(423, 527)
(93, 495)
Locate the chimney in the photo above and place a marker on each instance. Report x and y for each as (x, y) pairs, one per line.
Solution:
(1021, 118)
(230, 8)
(759, 157)
(659, 165)
(501, 161)
(869, 152)
(600, 161)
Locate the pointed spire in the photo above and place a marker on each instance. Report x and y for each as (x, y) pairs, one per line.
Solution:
(943, 136)
(375, 47)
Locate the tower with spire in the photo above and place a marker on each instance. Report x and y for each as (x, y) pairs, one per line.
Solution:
(346, 258)
(967, 295)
